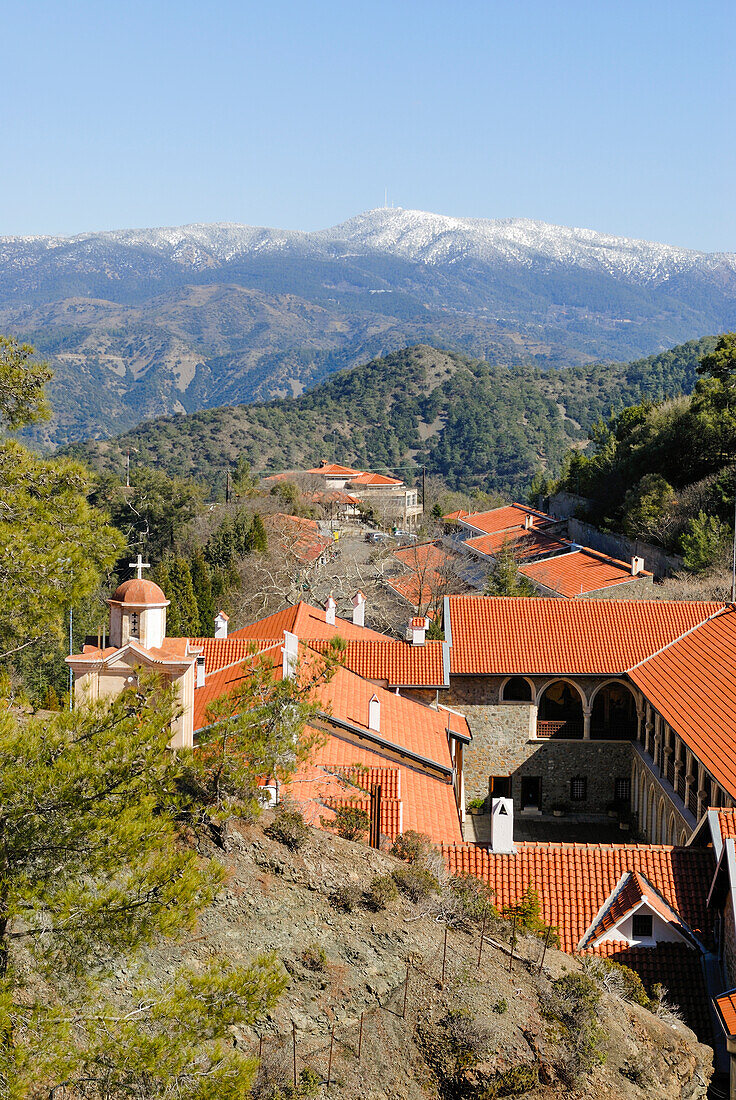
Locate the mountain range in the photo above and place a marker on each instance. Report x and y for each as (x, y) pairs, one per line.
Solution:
(138, 323)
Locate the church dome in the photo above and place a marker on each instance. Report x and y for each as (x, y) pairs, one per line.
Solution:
(138, 592)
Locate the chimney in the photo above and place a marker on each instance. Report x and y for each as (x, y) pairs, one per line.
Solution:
(502, 825)
(359, 609)
(290, 652)
(374, 714)
(528, 522)
(637, 566)
(221, 621)
(330, 608)
(200, 672)
(418, 628)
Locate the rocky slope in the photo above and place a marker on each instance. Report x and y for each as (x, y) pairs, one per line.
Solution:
(276, 899)
(137, 323)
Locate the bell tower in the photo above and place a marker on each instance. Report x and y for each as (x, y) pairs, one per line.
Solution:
(138, 611)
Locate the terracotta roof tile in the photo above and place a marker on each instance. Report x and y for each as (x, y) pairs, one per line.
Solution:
(727, 823)
(574, 880)
(522, 543)
(376, 480)
(334, 469)
(506, 635)
(308, 623)
(579, 572)
(692, 684)
(397, 664)
(501, 519)
(726, 1005)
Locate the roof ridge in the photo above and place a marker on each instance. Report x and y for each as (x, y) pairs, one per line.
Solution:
(709, 619)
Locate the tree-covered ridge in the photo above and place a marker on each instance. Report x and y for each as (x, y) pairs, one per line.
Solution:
(475, 424)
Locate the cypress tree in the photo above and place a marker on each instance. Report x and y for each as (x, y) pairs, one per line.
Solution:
(259, 538)
(162, 577)
(202, 585)
(182, 594)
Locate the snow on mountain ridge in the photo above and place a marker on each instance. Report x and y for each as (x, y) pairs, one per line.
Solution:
(414, 235)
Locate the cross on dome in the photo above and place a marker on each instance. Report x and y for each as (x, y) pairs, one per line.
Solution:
(140, 565)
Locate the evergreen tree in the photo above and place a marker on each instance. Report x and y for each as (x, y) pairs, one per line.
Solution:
(161, 574)
(202, 585)
(504, 578)
(183, 599)
(95, 867)
(258, 536)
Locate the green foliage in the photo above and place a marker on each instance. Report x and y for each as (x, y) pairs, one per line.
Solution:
(152, 511)
(504, 579)
(572, 1001)
(526, 915)
(22, 382)
(703, 542)
(258, 539)
(202, 586)
(289, 828)
(502, 422)
(54, 547)
(314, 957)
(415, 881)
(346, 897)
(183, 612)
(721, 362)
(411, 846)
(351, 823)
(381, 892)
(646, 507)
(470, 901)
(501, 1006)
(516, 1081)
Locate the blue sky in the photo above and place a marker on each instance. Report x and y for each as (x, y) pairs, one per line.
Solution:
(615, 116)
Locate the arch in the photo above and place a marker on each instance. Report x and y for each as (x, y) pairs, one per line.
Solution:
(517, 689)
(660, 832)
(613, 714)
(651, 812)
(683, 838)
(672, 831)
(560, 710)
(642, 808)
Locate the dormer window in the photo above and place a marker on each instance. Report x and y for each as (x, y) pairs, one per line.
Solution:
(642, 926)
(134, 629)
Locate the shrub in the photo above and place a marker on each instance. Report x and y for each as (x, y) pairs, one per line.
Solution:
(572, 1001)
(415, 881)
(618, 980)
(351, 823)
(411, 846)
(289, 828)
(381, 892)
(314, 957)
(512, 1082)
(527, 917)
(501, 1006)
(345, 898)
(467, 900)
(477, 804)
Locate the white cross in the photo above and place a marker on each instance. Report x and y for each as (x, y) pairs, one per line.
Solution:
(140, 565)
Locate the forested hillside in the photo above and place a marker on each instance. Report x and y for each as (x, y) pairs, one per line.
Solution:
(664, 471)
(474, 424)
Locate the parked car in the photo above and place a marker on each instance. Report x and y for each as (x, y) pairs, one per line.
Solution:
(377, 536)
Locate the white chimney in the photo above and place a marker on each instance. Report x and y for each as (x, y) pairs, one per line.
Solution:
(374, 714)
(528, 522)
(502, 825)
(359, 609)
(221, 621)
(637, 566)
(290, 652)
(418, 628)
(330, 608)
(200, 672)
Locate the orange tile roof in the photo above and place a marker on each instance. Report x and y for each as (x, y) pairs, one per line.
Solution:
(299, 535)
(727, 823)
(726, 1005)
(398, 664)
(219, 652)
(692, 684)
(579, 572)
(173, 651)
(629, 894)
(308, 623)
(523, 544)
(504, 635)
(500, 519)
(423, 555)
(376, 480)
(334, 469)
(574, 880)
(225, 679)
(459, 514)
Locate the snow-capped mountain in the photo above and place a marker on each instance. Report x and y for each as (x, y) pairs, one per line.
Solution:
(413, 235)
(138, 322)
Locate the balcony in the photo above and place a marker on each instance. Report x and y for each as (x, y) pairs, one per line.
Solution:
(570, 730)
(614, 731)
(666, 786)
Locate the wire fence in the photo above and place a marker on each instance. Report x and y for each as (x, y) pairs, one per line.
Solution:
(338, 1054)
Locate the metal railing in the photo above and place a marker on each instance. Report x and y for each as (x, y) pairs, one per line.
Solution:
(570, 729)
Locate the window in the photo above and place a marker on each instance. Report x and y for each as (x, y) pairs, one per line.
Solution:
(134, 627)
(517, 690)
(579, 788)
(622, 790)
(642, 926)
(499, 786)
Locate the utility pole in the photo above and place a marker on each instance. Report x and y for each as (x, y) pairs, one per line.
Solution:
(227, 488)
(424, 484)
(71, 651)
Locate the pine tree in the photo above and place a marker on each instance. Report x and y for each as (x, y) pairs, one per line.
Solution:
(183, 599)
(202, 584)
(161, 574)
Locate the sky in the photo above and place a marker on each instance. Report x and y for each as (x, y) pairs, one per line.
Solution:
(616, 116)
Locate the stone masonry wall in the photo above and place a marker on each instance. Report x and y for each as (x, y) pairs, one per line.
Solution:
(502, 745)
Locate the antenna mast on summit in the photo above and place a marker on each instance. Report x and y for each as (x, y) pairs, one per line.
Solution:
(385, 197)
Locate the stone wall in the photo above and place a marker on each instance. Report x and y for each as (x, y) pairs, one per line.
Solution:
(729, 942)
(503, 744)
